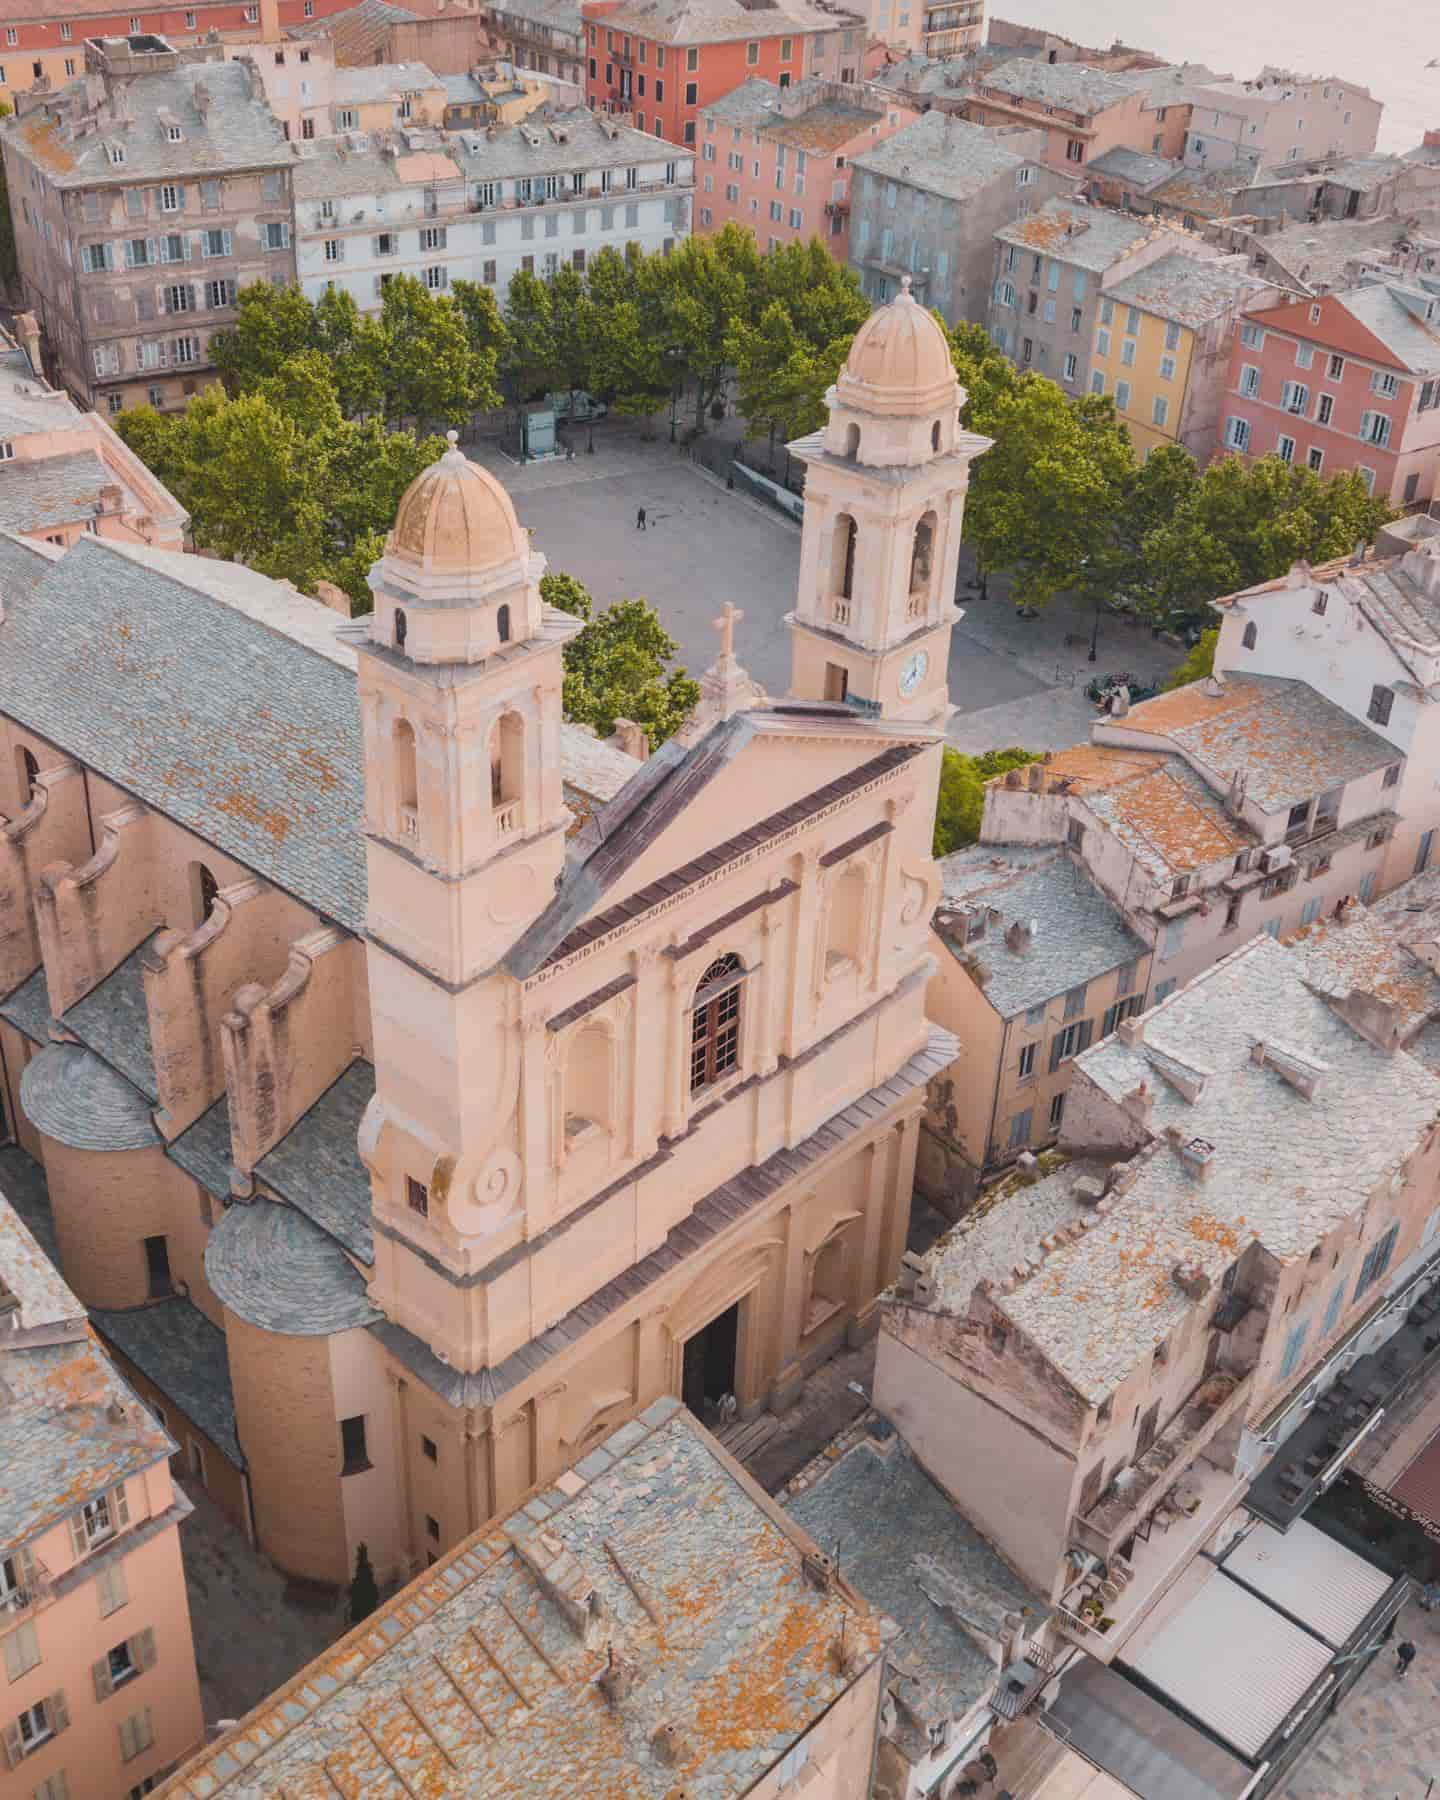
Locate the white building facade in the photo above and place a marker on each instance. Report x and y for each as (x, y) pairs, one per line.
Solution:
(484, 205)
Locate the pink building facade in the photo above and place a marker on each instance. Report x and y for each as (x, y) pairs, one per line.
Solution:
(1350, 381)
(777, 160)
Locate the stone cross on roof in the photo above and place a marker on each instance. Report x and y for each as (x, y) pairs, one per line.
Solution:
(730, 617)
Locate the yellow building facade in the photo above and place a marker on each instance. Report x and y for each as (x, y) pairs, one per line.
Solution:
(1162, 347)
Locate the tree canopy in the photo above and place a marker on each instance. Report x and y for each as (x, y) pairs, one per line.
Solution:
(1062, 501)
(618, 666)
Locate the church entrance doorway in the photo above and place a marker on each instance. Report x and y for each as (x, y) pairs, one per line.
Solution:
(709, 1368)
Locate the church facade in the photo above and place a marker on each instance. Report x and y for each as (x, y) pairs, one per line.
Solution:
(467, 1133)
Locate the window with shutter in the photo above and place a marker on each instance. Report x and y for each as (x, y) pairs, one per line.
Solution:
(142, 1648)
(14, 1751)
(121, 1505)
(110, 1589)
(57, 1711)
(1147, 1430)
(1090, 1488)
(22, 1652)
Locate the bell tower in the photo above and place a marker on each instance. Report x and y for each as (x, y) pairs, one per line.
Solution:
(460, 689)
(884, 502)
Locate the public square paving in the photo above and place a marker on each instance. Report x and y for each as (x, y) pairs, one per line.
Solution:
(1012, 680)
(1384, 1743)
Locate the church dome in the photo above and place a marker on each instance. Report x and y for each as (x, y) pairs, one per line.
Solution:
(899, 361)
(456, 518)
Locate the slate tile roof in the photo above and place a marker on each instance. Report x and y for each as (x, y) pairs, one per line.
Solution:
(475, 1680)
(1073, 86)
(173, 1344)
(27, 1008)
(1133, 166)
(1079, 935)
(1285, 1170)
(942, 155)
(42, 493)
(316, 1165)
(721, 21)
(1171, 819)
(717, 1212)
(277, 1271)
(1090, 237)
(381, 81)
(359, 33)
(73, 1097)
(1005, 1226)
(1287, 740)
(22, 567)
(1390, 950)
(203, 1150)
(70, 1428)
(918, 1560)
(114, 1022)
(238, 132)
(1188, 290)
(1412, 341)
(230, 727)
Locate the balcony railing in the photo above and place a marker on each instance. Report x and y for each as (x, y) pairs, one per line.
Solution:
(840, 611)
(1210, 1406)
(1022, 1681)
(507, 819)
(17, 1603)
(409, 822)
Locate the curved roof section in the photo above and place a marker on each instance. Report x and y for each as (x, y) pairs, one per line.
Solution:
(455, 519)
(79, 1101)
(276, 1270)
(899, 360)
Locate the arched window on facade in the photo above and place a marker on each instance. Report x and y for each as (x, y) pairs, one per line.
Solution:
(203, 890)
(401, 626)
(407, 779)
(845, 933)
(852, 443)
(922, 561)
(588, 1084)
(502, 624)
(1250, 636)
(935, 435)
(507, 771)
(29, 770)
(715, 1027)
(842, 565)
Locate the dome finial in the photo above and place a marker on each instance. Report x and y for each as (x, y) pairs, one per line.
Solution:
(452, 438)
(905, 288)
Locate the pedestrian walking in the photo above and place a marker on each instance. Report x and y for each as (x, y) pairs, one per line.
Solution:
(640, 519)
(1404, 1656)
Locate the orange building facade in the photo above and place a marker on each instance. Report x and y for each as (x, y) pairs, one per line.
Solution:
(664, 65)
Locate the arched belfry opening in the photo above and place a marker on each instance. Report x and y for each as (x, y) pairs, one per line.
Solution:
(842, 561)
(852, 443)
(922, 560)
(507, 771)
(407, 774)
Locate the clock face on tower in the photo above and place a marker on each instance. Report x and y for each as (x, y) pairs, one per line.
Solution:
(913, 672)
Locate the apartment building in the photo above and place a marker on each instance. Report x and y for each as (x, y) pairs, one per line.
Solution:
(928, 201)
(1081, 111)
(663, 60)
(388, 97)
(1365, 632)
(1104, 1362)
(65, 473)
(296, 75)
(1033, 964)
(484, 205)
(44, 40)
(1051, 272)
(144, 196)
(1347, 381)
(1278, 118)
(1162, 346)
(101, 1694)
(778, 160)
(546, 35)
(951, 28)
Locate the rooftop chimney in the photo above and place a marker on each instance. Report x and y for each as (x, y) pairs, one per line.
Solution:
(1018, 936)
(1196, 1154)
